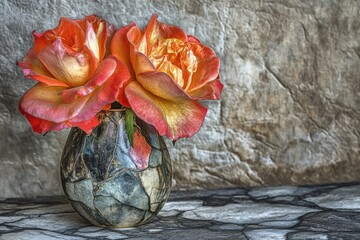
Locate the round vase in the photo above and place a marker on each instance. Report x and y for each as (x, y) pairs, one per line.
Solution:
(104, 183)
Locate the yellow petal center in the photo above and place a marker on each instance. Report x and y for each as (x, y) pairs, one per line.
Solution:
(175, 58)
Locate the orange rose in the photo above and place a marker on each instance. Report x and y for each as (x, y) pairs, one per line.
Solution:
(170, 71)
(76, 79)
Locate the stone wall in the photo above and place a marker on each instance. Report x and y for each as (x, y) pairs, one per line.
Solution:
(290, 108)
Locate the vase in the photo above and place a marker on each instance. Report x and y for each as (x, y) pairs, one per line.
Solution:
(103, 181)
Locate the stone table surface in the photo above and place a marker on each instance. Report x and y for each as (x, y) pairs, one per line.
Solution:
(287, 212)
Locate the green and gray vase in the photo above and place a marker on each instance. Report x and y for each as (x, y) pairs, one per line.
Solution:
(105, 184)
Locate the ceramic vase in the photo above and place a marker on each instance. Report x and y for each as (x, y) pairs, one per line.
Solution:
(105, 184)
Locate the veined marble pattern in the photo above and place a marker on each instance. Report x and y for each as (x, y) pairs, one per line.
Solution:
(314, 212)
(107, 181)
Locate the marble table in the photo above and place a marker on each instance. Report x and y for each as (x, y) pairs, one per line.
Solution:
(312, 212)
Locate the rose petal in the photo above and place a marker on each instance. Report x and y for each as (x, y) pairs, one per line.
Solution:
(102, 34)
(105, 70)
(134, 35)
(101, 30)
(70, 32)
(91, 41)
(120, 47)
(140, 62)
(72, 68)
(121, 98)
(156, 30)
(102, 74)
(173, 119)
(191, 38)
(42, 40)
(42, 126)
(109, 35)
(202, 51)
(38, 125)
(46, 102)
(87, 125)
(140, 153)
(211, 90)
(107, 92)
(107, 107)
(161, 85)
(207, 71)
(71, 94)
(32, 67)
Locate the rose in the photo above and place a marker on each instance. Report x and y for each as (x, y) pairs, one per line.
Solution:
(76, 79)
(170, 71)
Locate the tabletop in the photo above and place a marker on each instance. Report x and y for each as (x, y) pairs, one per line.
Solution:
(286, 212)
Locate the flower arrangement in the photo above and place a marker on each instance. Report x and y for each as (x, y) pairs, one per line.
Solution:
(86, 66)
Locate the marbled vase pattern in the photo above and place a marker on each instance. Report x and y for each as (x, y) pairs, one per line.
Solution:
(102, 181)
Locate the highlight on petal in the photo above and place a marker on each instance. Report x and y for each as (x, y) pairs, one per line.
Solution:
(92, 42)
(175, 119)
(69, 67)
(103, 32)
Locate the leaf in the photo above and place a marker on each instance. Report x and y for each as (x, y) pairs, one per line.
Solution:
(129, 125)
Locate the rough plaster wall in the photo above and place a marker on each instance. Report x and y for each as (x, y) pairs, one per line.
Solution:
(289, 112)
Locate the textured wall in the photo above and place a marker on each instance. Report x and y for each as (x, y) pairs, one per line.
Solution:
(290, 108)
